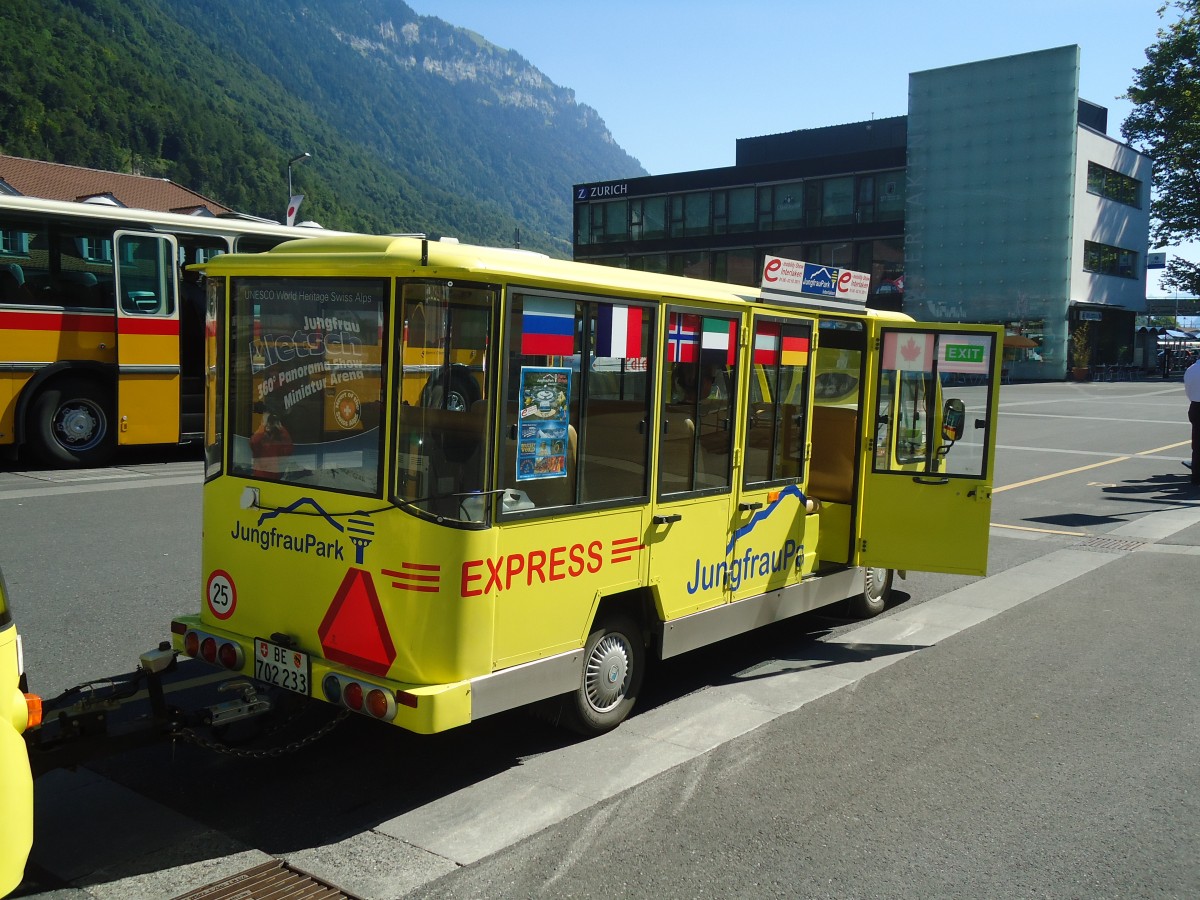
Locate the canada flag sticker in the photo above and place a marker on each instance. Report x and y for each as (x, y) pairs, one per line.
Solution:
(908, 351)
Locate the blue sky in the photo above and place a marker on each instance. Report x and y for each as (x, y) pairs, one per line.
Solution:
(677, 82)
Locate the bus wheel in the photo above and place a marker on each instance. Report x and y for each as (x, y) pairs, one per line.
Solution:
(70, 425)
(458, 398)
(877, 586)
(614, 662)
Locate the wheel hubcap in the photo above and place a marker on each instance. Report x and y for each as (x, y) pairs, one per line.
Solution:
(876, 580)
(607, 675)
(78, 425)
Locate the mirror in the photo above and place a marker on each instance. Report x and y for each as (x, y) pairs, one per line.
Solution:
(954, 417)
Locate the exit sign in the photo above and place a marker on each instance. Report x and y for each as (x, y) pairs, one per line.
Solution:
(964, 353)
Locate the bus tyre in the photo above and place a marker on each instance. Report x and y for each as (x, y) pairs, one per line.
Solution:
(614, 663)
(70, 424)
(458, 398)
(877, 586)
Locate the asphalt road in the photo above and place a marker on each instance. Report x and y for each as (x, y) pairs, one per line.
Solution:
(1032, 733)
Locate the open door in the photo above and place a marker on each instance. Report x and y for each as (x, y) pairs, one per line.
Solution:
(148, 386)
(927, 480)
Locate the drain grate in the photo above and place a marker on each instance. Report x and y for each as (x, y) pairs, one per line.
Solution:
(274, 880)
(1110, 545)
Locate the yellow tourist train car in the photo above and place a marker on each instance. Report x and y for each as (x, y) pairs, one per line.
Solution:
(18, 711)
(444, 480)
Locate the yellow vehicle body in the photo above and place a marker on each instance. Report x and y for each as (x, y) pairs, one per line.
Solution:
(16, 781)
(436, 562)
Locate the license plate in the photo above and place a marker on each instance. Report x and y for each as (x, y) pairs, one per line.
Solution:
(282, 667)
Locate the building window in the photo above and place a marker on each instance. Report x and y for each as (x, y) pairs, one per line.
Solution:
(837, 201)
(866, 199)
(648, 219)
(697, 214)
(1105, 260)
(1113, 185)
(583, 222)
(694, 264)
(733, 211)
(614, 225)
(736, 266)
(649, 262)
(789, 205)
(889, 196)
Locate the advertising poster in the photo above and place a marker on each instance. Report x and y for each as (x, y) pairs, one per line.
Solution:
(542, 440)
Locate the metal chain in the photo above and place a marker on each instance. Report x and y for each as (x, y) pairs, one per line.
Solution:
(190, 735)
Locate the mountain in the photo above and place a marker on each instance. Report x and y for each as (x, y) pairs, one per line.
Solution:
(414, 125)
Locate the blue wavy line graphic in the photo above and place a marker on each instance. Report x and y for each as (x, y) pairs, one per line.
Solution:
(303, 501)
(790, 491)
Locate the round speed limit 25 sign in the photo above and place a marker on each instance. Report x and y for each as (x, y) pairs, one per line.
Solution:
(221, 594)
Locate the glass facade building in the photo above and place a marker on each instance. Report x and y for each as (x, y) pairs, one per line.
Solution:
(997, 198)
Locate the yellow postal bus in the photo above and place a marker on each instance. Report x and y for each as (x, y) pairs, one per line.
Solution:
(101, 339)
(632, 465)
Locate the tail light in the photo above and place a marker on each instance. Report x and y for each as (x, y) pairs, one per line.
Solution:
(215, 651)
(34, 704)
(230, 655)
(360, 696)
(380, 703)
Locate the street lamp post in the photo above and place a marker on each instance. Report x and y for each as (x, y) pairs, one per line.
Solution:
(295, 159)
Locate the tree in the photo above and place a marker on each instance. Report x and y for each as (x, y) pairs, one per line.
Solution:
(1165, 123)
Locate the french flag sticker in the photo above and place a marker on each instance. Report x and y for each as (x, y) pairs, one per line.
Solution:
(619, 331)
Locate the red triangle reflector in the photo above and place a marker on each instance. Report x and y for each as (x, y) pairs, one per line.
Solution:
(353, 631)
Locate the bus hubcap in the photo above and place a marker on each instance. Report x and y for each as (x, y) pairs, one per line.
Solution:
(77, 424)
(607, 672)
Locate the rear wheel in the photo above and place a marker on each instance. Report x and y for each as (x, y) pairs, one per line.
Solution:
(461, 394)
(877, 586)
(614, 663)
(70, 424)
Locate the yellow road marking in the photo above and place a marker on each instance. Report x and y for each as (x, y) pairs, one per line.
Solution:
(1041, 530)
(1107, 462)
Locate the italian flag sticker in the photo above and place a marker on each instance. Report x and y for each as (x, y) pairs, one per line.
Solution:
(720, 335)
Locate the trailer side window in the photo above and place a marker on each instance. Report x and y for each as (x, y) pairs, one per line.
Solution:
(775, 430)
(700, 372)
(443, 452)
(577, 402)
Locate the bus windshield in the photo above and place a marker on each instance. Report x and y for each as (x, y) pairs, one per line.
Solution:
(307, 372)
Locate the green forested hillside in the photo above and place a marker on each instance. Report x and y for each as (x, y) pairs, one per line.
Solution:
(413, 125)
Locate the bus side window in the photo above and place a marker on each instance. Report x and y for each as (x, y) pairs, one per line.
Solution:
(443, 453)
(541, 408)
(616, 412)
(775, 437)
(586, 439)
(696, 424)
(83, 277)
(837, 397)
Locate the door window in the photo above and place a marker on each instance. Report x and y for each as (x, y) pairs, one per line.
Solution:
(698, 402)
(932, 403)
(775, 433)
